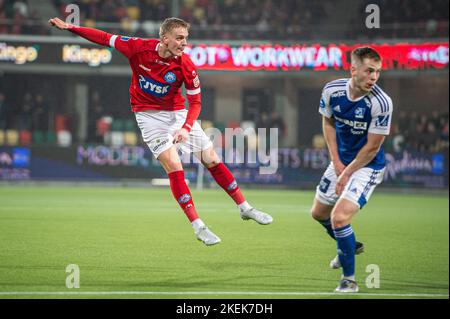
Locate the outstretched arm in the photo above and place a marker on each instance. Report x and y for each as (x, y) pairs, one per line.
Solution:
(91, 34)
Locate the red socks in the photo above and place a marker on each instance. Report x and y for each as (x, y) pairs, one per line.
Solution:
(226, 180)
(182, 194)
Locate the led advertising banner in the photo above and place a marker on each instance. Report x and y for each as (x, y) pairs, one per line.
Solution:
(315, 57)
(226, 57)
(296, 167)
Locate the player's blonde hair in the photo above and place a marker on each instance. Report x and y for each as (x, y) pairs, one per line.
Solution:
(171, 23)
(361, 53)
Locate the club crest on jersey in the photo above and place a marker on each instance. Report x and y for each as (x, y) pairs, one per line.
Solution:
(359, 112)
(153, 87)
(170, 77)
(184, 199)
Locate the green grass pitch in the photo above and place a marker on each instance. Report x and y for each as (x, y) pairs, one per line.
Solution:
(132, 240)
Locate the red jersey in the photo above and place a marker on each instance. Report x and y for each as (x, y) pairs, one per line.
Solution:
(156, 82)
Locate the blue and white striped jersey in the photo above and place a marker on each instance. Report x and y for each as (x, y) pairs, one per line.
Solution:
(354, 119)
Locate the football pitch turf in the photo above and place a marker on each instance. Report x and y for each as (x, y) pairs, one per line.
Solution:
(136, 243)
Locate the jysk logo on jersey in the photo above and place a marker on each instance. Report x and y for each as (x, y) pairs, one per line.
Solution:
(170, 77)
(153, 87)
(184, 198)
(359, 113)
(382, 121)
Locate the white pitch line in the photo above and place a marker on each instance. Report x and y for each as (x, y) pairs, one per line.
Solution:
(293, 293)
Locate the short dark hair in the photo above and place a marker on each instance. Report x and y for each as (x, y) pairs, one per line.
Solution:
(171, 23)
(362, 53)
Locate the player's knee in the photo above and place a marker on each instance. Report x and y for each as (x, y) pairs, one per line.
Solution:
(210, 158)
(315, 214)
(171, 165)
(339, 220)
(320, 212)
(174, 166)
(211, 163)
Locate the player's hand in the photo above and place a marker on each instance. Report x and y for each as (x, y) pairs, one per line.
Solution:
(338, 167)
(180, 135)
(60, 24)
(341, 182)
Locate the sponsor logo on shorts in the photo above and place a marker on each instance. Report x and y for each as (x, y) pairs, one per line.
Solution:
(157, 144)
(232, 186)
(184, 198)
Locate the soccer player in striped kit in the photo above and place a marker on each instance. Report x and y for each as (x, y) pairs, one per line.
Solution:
(159, 70)
(356, 118)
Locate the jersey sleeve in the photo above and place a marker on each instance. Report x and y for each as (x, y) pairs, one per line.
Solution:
(324, 107)
(193, 91)
(91, 34)
(381, 116)
(126, 45)
(191, 79)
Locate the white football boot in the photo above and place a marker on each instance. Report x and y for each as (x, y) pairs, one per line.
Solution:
(206, 236)
(347, 286)
(257, 216)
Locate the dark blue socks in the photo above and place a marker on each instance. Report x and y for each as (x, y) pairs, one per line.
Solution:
(346, 245)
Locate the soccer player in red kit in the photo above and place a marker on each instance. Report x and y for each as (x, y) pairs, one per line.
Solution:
(159, 70)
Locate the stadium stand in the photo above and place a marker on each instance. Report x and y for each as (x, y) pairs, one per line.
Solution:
(239, 20)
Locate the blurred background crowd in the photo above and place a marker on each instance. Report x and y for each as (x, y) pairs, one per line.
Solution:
(237, 19)
(38, 110)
